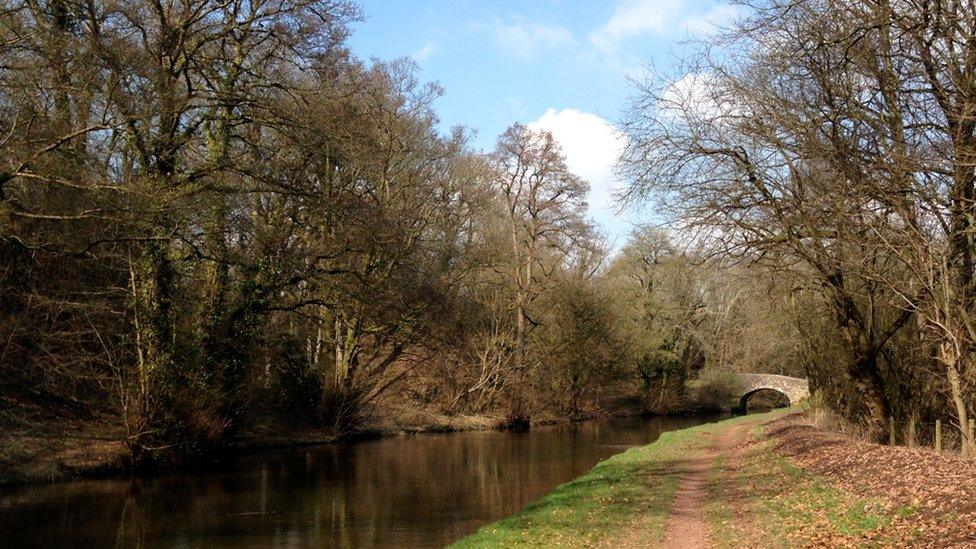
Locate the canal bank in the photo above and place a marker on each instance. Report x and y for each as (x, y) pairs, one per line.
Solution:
(768, 480)
(44, 452)
(66, 451)
(623, 501)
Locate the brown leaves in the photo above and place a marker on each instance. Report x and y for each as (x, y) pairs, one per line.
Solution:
(932, 495)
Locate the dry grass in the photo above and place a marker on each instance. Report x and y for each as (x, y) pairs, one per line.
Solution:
(822, 416)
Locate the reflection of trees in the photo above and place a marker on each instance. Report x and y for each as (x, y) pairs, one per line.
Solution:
(412, 491)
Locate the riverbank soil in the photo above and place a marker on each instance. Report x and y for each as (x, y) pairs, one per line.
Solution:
(56, 449)
(688, 522)
(63, 450)
(769, 480)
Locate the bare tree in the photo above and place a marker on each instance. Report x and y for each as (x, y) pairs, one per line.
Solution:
(839, 142)
(544, 207)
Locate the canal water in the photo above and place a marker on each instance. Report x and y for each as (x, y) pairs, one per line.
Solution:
(409, 491)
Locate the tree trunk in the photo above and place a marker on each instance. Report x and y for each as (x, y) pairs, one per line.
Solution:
(867, 383)
(151, 286)
(953, 366)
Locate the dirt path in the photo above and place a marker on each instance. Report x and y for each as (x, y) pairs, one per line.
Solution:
(688, 523)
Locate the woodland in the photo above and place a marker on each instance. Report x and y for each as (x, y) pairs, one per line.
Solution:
(214, 218)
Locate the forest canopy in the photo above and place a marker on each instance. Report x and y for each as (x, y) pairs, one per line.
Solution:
(214, 218)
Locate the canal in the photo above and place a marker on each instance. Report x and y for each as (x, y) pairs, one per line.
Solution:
(408, 491)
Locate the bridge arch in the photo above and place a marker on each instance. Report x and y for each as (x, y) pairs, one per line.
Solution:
(744, 399)
(793, 388)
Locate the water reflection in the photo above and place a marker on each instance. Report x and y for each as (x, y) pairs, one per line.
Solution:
(414, 491)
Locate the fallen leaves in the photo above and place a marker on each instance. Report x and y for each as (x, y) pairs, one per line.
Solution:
(933, 496)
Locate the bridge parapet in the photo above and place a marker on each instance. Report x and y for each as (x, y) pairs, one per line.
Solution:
(796, 389)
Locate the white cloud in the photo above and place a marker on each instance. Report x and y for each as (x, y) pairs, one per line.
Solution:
(713, 20)
(696, 96)
(635, 18)
(424, 52)
(528, 39)
(690, 91)
(592, 146)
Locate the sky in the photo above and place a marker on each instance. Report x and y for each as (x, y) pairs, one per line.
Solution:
(558, 65)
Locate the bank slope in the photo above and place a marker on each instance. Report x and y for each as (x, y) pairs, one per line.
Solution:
(794, 485)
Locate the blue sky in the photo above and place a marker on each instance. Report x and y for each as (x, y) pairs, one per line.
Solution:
(559, 65)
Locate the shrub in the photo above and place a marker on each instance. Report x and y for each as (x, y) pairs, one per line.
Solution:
(715, 390)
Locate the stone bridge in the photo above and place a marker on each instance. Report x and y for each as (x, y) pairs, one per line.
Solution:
(795, 389)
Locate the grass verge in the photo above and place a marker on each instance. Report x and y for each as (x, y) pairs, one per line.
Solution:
(623, 501)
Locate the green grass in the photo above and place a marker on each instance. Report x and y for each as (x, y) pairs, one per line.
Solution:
(785, 501)
(721, 516)
(812, 498)
(630, 495)
(631, 489)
